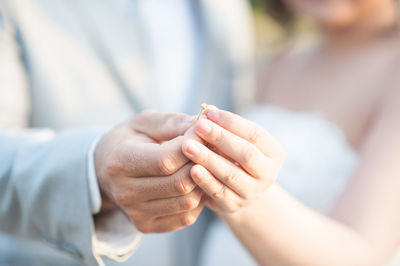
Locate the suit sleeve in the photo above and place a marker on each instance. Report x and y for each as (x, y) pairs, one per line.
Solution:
(43, 175)
(44, 189)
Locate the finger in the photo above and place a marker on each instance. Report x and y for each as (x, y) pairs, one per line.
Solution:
(175, 205)
(191, 134)
(162, 187)
(175, 222)
(224, 198)
(236, 148)
(161, 126)
(151, 159)
(227, 172)
(210, 203)
(248, 130)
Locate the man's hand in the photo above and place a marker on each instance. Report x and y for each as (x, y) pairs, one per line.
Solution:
(142, 170)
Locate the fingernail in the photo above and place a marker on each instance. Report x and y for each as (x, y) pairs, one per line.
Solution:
(203, 127)
(193, 148)
(213, 115)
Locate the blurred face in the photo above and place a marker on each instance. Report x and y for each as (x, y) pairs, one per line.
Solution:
(339, 13)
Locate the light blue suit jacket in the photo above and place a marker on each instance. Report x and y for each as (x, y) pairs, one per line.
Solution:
(68, 65)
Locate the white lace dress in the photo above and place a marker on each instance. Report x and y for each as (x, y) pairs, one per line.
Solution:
(317, 169)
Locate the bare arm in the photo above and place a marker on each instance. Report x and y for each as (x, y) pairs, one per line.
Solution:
(364, 228)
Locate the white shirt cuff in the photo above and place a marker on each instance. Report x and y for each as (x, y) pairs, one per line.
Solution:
(114, 234)
(94, 190)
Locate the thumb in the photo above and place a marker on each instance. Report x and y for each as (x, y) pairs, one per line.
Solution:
(161, 126)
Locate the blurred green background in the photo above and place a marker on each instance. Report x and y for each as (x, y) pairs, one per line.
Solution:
(272, 37)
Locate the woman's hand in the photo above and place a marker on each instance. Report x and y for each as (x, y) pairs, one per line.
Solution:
(244, 161)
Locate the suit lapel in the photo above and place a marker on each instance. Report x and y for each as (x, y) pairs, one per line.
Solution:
(214, 77)
(209, 69)
(123, 48)
(120, 41)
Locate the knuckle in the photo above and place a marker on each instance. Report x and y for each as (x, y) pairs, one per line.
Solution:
(218, 135)
(122, 198)
(167, 165)
(177, 118)
(113, 167)
(204, 157)
(255, 133)
(187, 219)
(188, 203)
(247, 155)
(180, 187)
(220, 194)
(230, 176)
(174, 119)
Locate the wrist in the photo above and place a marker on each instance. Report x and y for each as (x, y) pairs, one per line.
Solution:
(100, 202)
(250, 211)
(239, 216)
(106, 203)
